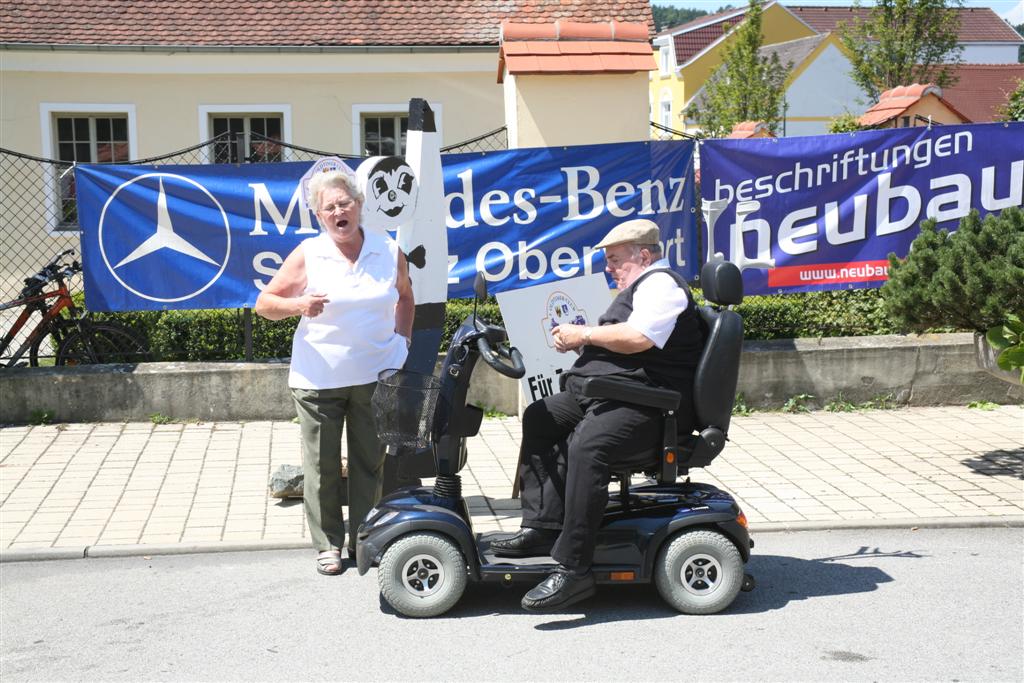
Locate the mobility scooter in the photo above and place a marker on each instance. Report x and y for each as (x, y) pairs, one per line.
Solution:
(690, 539)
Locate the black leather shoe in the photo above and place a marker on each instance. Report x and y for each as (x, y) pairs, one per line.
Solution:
(561, 589)
(527, 543)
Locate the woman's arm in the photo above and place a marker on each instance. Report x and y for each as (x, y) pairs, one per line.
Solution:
(405, 309)
(282, 297)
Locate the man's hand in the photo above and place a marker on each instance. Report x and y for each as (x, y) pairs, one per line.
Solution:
(568, 337)
(620, 338)
(311, 305)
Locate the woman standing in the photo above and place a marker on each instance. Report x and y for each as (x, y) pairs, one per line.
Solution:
(351, 288)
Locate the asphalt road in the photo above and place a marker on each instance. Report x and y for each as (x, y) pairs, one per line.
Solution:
(845, 605)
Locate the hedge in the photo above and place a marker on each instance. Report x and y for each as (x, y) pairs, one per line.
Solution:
(208, 335)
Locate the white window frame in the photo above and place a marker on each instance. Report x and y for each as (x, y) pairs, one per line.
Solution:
(664, 60)
(48, 112)
(665, 98)
(206, 112)
(391, 108)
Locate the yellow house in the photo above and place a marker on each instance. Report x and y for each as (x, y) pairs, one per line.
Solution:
(687, 55)
(906, 106)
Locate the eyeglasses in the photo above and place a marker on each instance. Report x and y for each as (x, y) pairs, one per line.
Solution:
(338, 206)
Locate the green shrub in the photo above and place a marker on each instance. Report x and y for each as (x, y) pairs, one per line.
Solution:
(1008, 341)
(458, 310)
(204, 335)
(969, 279)
(772, 317)
(847, 313)
(208, 335)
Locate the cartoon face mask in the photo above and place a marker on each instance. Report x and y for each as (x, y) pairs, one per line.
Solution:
(390, 187)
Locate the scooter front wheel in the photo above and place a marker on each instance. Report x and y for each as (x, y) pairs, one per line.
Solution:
(422, 575)
(699, 572)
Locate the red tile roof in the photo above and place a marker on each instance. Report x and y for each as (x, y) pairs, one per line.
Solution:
(977, 24)
(983, 89)
(695, 36)
(690, 44)
(574, 47)
(750, 129)
(296, 23)
(894, 102)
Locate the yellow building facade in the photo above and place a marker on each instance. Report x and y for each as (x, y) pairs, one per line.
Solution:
(688, 55)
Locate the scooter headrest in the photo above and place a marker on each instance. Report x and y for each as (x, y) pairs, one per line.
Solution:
(721, 283)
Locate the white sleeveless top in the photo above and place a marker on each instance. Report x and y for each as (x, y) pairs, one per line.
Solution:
(354, 338)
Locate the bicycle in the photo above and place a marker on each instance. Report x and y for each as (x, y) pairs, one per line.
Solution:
(77, 338)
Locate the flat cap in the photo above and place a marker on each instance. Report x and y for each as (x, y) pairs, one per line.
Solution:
(636, 231)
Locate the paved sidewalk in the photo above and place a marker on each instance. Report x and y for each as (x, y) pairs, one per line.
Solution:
(92, 489)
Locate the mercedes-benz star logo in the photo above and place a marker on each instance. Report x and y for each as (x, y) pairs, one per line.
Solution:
(159, 276)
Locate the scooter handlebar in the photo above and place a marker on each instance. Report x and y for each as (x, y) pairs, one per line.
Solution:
(515, 369)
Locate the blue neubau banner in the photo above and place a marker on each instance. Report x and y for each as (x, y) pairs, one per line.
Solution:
(210, 236)
(824, 212)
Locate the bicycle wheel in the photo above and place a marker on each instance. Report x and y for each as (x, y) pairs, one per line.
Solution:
(101, 343)
(55, 335)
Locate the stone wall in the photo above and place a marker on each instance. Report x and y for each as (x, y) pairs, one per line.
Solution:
(926, 370)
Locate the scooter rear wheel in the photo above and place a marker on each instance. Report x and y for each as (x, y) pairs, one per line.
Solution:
(699, 572)
(422, 575)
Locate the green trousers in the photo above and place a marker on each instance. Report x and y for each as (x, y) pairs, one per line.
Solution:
(322, 415)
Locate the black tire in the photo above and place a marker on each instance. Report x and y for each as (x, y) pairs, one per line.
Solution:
(95, 343)
(59, 330)
(699, 572)
(422, 575)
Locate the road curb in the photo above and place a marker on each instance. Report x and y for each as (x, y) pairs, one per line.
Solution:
(102, 551)
(978, 522)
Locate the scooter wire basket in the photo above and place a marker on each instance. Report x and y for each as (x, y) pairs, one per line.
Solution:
(403, 406)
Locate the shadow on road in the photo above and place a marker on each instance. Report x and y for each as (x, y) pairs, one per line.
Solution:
(780, 580)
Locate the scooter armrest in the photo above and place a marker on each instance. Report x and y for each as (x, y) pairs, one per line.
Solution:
(699, 450)
(631, 391)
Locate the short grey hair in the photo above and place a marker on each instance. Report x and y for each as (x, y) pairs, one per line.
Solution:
(336, 179)
(655, 249)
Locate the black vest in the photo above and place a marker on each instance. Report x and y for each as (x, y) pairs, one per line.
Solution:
(672, 366)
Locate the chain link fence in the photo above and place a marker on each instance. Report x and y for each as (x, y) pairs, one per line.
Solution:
(39, 219)
(494, 141)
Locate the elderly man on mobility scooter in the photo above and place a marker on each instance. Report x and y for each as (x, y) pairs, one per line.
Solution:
(651, 333)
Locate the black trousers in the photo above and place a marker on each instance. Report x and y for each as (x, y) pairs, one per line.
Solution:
(570, 446)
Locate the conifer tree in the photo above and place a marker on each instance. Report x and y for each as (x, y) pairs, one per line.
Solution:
(969, 279)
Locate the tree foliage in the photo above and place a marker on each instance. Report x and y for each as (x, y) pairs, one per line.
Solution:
(844, 123)
(968, 279)
(747, 87)
(667, 17)
(903, 42)
(1013, 110)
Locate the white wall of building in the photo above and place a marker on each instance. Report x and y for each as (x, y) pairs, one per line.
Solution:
(822, 91)
(996, 53)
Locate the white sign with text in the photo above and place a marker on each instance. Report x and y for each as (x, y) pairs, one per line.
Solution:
(531, 313)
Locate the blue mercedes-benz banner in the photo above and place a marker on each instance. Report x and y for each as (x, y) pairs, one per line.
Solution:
(528, 216)
(824, 212)
(211, 236)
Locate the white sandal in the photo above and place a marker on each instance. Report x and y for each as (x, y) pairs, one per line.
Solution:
(328, 562)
